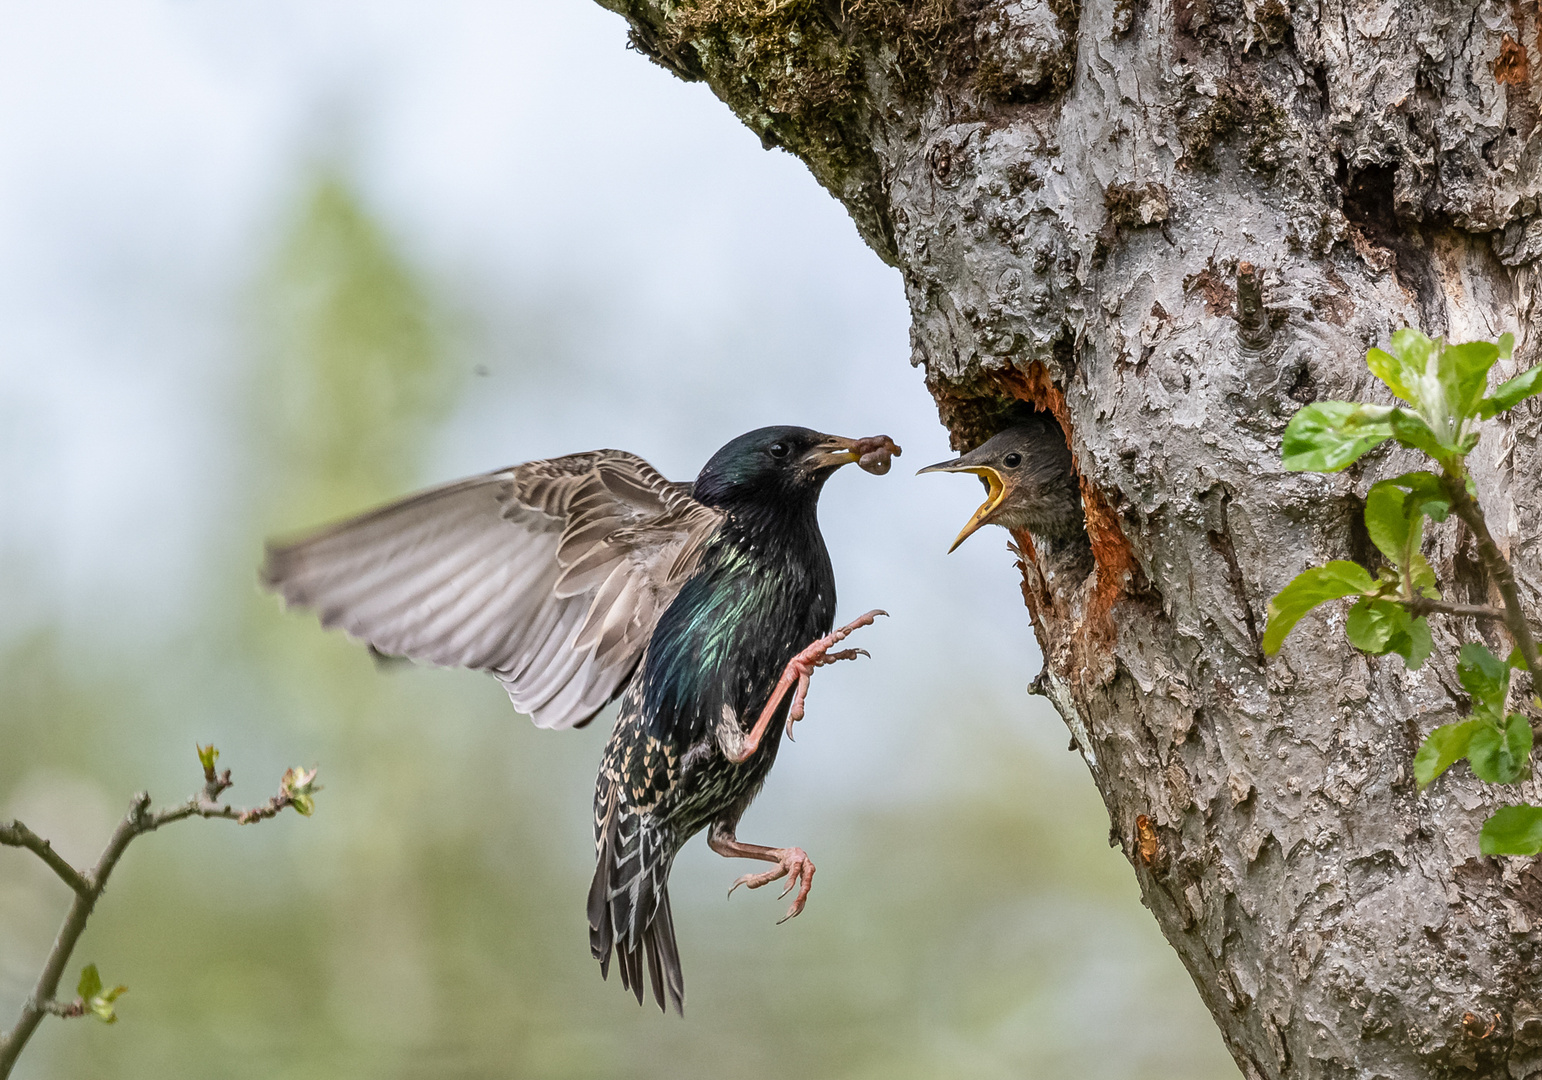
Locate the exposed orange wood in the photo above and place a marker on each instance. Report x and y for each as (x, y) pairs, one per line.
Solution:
(1085, 642)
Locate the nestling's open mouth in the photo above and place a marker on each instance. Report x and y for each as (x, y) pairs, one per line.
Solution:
(996, 491)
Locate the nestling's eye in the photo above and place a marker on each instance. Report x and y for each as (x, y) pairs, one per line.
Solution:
(1012, 460)
(778, 449)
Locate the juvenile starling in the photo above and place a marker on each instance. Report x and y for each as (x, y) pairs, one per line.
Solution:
(1029, 481)
(579, 579)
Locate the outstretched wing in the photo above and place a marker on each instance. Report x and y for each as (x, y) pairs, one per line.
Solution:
(551, 575)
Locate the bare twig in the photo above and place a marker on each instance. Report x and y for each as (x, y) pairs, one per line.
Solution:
(296, 790)
(18, 835)
(1467, 508)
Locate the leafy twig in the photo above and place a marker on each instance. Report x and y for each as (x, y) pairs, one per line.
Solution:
(1445, 388)
(16, 834)
(296, 789)
(1464, 506)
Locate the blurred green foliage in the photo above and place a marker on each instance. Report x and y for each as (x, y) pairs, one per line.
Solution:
(428, 921)
(351, 378)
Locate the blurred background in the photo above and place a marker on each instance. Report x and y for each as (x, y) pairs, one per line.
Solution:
(266, 264)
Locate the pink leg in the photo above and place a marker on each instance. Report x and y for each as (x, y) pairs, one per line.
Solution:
(798, 671)
(792, 863)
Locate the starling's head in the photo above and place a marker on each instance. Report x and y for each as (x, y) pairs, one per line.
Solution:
(1028, 479)
(785, 465)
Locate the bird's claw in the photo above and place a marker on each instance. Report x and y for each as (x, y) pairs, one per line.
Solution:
(793, 864)
(818, 655)
(796, 674)
(844, 654)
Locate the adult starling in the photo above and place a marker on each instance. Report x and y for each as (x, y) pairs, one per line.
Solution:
(579, 579)
(1029, 482)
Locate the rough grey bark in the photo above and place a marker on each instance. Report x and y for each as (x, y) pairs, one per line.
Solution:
(1171, 222)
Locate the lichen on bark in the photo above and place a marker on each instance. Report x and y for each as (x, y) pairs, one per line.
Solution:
(1170, 225)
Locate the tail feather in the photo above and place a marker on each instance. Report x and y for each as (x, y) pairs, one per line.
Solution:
(655, 970)
(631, 972)
(602, 932)
(629, 908)
(663, 933)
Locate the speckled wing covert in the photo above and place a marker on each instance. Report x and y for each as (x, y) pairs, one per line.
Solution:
(550, 575)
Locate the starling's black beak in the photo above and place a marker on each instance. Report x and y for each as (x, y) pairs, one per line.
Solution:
(833, 451)
(996, 491)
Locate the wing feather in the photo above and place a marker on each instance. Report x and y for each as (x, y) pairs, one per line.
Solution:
(429, 597)
(550, 575)
(617, 589)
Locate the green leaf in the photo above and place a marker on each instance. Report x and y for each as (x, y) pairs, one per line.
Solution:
(101, 1006)
(1387, 521)
(207, 756)
(98, 1002)
(1501, 755)
(1400, 377)
(1463, 372)
(1381, 626)
(1422, 574)
(1327, 436)
(1512, 393)
(1411, 431)
(1441, 749)
(1394, 518)
(1413, 349)
(1415, 645)
(1513, 830)
(1389, 584)
(1312, 587)
(1485, 677)
(1372, 624)
(1426, 494)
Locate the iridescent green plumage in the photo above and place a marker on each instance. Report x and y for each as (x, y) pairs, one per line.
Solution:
(763, 588)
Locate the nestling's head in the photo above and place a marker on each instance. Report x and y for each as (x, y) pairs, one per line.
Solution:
(1028, 480)
(785, 465)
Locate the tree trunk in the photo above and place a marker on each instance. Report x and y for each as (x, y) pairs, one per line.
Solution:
(1171, 224)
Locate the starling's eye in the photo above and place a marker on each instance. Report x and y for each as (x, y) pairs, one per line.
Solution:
(778, 449)
(1012, 460)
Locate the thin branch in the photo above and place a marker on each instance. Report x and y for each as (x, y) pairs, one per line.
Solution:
(18, 835)
(1467, 508)
(295, 790)
(1425, 606)
(41, 1001)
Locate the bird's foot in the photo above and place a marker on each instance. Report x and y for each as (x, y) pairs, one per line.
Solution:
(797, 673)
(801, 667)
(793, 864)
